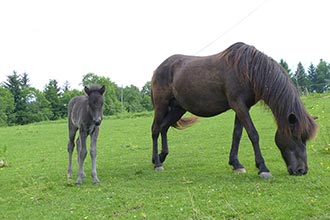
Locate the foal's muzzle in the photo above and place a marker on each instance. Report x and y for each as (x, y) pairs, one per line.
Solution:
(97, 121)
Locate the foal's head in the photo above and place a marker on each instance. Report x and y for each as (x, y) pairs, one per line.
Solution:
(95, 102)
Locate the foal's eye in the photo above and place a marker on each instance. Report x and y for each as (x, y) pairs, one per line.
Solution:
(98, 103)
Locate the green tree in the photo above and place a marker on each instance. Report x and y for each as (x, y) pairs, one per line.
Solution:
(313, 78)
(16, 86)
(112, 104)
(52, 94)
(6, 106)
(29, 104)
(132, 99)
(323, 76)
(301, 79)
(25, 80)
(38, 107)
(146, 96)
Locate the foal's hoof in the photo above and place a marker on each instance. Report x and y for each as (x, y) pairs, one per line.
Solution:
(265, 175)
(239, 170)
(96, 181)
(160, 168)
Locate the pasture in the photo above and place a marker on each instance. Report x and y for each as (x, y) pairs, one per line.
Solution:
(197, 182)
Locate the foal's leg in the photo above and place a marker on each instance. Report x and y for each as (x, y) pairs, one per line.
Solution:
(82, 152)
(78, 143)
(242, 112)
(233, 157)
(94, 136)
(72, 134)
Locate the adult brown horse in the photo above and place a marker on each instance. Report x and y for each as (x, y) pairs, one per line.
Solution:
(236, 78)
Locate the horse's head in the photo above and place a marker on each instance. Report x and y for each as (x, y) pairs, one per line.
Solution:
(95, 102)
(293, 146)
(293, 152)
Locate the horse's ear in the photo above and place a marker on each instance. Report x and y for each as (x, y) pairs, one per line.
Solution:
(86, 90)
(102, 90)
(292, 118)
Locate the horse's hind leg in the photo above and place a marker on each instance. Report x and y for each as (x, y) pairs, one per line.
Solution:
(155, 130)
(94, 136)
(72, 134)
(161, 124)
(171, 118)
(233, 157)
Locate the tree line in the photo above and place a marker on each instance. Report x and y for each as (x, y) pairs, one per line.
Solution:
(21, 104)
(315, 80)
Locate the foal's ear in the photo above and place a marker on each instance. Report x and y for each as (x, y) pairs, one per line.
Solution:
(86, 90)
(102, 90)
(292, 118)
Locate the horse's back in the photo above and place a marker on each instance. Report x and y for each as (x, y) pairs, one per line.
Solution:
(196, 83)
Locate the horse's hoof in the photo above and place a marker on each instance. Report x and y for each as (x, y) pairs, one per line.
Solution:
(161, 168)
(265, 175)
(240, 170)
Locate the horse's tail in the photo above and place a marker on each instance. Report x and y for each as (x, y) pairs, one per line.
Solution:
(185, 122)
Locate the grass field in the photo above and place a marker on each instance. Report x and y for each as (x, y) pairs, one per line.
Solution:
(197, 182)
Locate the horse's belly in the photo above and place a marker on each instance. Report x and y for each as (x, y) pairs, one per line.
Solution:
(201, 93)
(204, 106)
(208, 110)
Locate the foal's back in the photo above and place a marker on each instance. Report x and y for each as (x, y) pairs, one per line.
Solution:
(77, 111)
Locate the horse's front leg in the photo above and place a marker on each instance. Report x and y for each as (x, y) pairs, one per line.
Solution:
(94, 136)
(82, 152)
(233, 156)
(242, 112)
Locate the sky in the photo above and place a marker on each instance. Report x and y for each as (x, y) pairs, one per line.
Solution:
(126, 40)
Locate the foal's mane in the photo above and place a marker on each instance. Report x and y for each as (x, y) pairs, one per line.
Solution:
(92, 88)
(271, 83)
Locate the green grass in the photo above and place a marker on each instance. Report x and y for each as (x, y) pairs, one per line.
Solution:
(197, 182)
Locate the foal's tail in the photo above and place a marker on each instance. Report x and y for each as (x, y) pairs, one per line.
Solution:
(185, 122)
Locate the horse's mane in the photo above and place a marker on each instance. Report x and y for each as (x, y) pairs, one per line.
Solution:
(271, 83)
